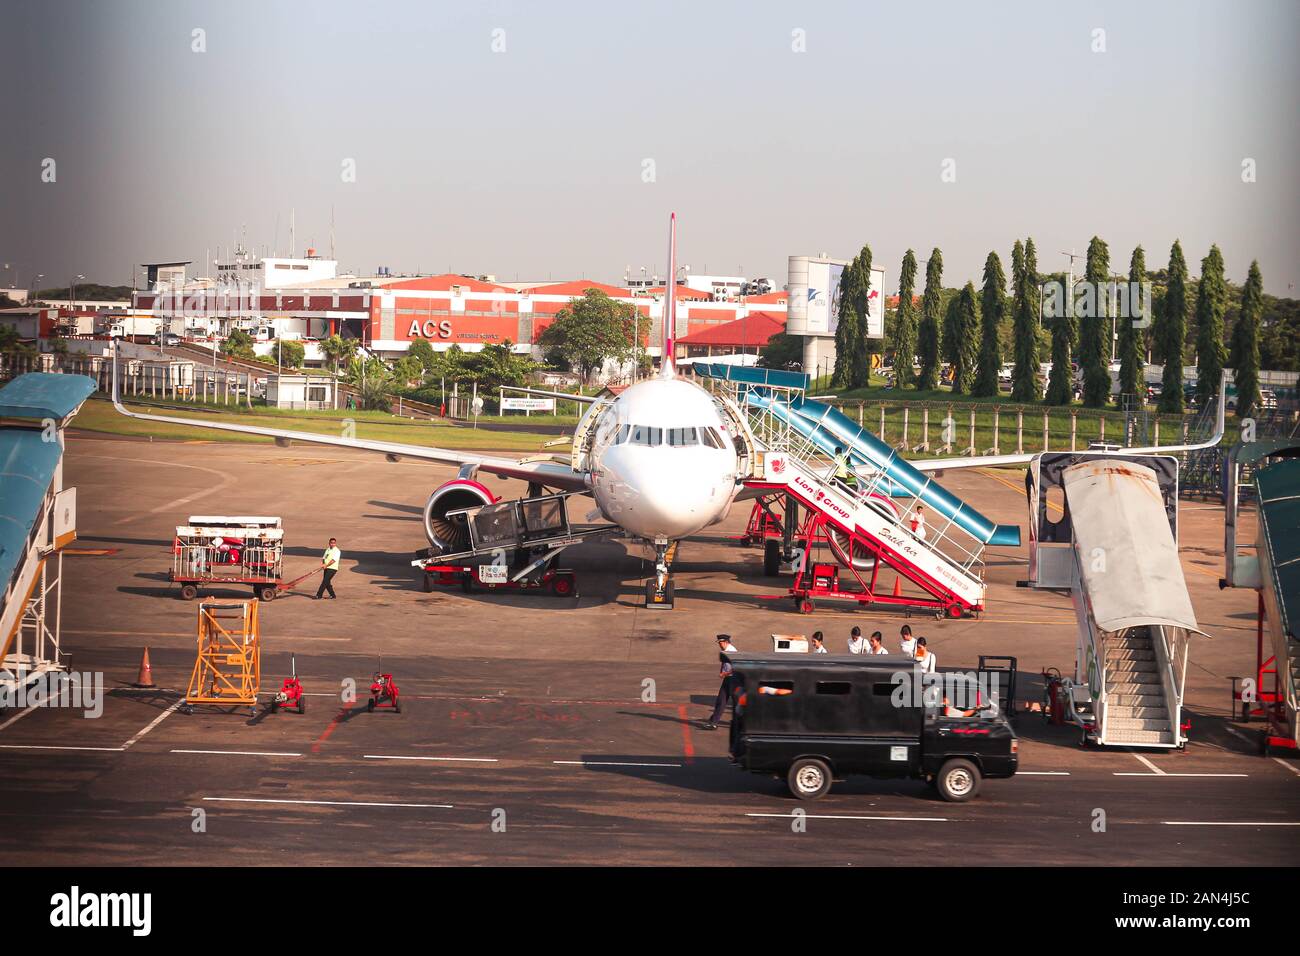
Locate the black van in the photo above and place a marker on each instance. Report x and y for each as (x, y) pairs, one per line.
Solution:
(814, 718)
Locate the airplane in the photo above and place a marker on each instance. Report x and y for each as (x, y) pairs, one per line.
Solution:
(663, 460)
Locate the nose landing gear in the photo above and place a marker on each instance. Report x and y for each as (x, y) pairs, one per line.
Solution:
(659, 590)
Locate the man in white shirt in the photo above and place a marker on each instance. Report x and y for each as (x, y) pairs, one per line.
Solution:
(857, 644)
(727, 689)
(330, 562)
(906, 642)
(877, 644)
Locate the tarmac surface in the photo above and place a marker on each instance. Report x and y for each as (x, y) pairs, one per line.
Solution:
(544, 730)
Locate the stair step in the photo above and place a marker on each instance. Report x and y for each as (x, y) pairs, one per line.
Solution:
(1147, 712)
(1150, 738)
(1129, 654)
(1125, 667)
(1135, 700)
(1142, 678)
(1135, 723)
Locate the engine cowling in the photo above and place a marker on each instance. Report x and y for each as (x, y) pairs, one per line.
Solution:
(446, 534)
(862, 558)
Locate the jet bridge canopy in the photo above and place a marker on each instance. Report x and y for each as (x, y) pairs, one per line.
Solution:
(1128, 558)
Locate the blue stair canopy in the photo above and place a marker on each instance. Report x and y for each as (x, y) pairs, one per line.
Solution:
(38, 396)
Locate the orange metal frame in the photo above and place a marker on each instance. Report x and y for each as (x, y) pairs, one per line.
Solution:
(228, 669)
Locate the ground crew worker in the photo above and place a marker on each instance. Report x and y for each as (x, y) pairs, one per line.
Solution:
(877, 644)
(856, 642)
(819, 646)
(925, 657)
(843, 474)
(330, 562)
(726, 691)
(906, 643)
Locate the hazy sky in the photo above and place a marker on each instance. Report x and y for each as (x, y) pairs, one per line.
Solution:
(530, 162)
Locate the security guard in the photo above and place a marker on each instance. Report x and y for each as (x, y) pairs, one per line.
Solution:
(330, 562)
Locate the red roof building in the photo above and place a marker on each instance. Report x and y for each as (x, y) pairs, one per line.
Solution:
(749, 334)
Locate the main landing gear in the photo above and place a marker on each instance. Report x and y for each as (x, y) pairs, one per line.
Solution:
(659, 590)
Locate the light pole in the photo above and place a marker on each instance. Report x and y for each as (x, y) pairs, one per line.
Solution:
(73, 290)
(36, 286)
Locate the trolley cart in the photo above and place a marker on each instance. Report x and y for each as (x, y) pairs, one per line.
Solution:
(219, 550)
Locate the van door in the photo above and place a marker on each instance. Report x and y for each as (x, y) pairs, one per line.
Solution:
(891, 724)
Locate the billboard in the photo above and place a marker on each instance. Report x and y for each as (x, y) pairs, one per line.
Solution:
(814, 297)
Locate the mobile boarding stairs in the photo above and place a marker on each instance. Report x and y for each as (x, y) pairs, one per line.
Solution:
(1104, 527)
(864, 523)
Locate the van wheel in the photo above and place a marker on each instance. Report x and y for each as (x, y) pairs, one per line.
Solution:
(809, 778)
(958, 781)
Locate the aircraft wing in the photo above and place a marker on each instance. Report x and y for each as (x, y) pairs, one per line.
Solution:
(542, 469)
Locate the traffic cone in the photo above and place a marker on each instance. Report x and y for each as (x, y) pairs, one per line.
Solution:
(145, 677)
(898, 587)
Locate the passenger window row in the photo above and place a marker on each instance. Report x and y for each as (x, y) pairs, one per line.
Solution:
(673, 437)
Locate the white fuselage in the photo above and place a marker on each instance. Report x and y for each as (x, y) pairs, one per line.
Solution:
(663, 463)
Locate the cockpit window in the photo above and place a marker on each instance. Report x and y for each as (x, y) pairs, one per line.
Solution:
(645, 435)
(621, 435)
(711, 438)
(681, 437)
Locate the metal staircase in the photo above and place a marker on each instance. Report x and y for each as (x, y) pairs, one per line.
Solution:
(865, 521)
(1136, 710)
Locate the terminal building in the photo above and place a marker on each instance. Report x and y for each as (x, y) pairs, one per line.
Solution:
(388, 313)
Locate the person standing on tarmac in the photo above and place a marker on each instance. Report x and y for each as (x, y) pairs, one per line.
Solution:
(330, 562)
(726, 691)
(818, 645)
(925, 657)
(877, 644)
(906, 642)
(856, 643)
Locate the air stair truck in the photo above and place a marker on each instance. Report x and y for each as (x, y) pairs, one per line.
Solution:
(864, 526)
(1114, 548)
(1274, 571)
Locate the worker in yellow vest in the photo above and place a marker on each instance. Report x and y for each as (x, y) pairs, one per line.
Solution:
(330, 562)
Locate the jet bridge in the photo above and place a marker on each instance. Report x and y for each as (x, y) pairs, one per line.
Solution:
(37, 520)
(1114, 548)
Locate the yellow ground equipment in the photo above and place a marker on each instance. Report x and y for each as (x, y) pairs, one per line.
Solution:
(228, 670)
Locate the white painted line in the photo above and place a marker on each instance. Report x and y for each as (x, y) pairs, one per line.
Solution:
(1148, 764)
(19, 716)
(1288, 766)
(1163, 774)
(826, 816)
(1237, 733)
(1221, 823)
(238, 753)
(1042, 773)
(455, 759)
(609, 763)
(52, 747)
(154, 723)
(330, 803)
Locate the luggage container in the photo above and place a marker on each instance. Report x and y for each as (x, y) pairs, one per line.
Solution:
(225, 550)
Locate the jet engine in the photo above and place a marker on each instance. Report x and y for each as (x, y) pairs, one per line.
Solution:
(451, 534)
(861, 558)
